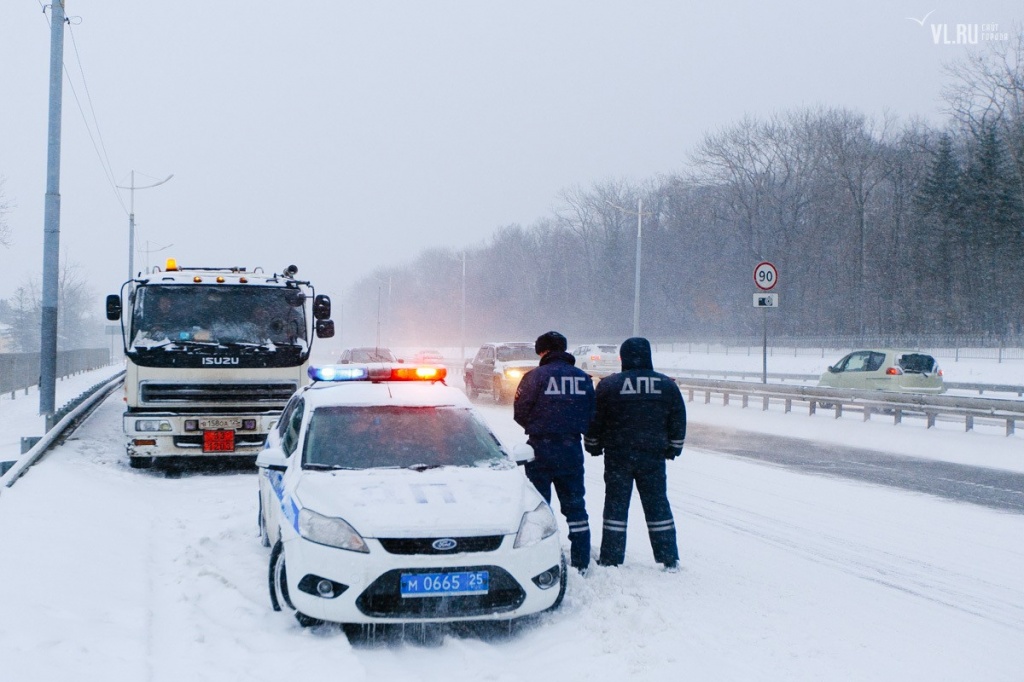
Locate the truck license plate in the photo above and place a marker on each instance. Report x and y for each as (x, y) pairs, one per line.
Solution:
(218, 441)
(211, 424)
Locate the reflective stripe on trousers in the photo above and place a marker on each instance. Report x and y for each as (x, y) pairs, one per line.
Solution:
(647, 471)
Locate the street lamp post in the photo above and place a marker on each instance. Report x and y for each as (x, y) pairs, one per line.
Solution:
(636, 274)
(131, 219)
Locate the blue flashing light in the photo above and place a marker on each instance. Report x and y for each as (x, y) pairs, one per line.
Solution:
(338, 373)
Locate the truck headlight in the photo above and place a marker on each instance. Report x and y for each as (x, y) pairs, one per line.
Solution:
(514, 373)
(535, 526)
(152, 425)
(325, 530)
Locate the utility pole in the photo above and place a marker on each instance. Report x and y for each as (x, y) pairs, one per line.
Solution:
(639, 242)
(51, 222)
(131, 221)
(636, 280)
(462, 327)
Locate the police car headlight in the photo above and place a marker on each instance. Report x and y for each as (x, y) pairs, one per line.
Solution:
(535, 526)
(324, 530)
(152, 425)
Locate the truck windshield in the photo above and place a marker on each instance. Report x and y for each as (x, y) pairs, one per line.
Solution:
(218, 315)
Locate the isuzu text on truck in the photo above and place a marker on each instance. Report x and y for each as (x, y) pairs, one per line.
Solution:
(212, 356)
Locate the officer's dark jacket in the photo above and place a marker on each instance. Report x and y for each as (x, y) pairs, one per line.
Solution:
(638, 409)
(555, 398)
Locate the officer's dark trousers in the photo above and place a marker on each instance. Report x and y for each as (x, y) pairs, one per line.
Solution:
(648, 471)
(559, 462)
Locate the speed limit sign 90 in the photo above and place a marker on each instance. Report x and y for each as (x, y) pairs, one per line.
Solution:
(766, 276)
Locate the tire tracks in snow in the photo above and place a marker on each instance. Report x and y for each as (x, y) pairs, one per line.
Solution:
(869, 553)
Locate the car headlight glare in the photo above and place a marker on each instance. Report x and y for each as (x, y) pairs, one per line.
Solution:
(514, 373)
(152, 425)
(536, 526)
(325, 530)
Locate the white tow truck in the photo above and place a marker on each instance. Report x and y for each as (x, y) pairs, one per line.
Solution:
(212, 355)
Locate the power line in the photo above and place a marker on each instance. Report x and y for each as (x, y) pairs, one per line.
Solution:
(103, 158)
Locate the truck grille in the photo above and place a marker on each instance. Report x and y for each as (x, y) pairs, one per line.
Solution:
(217, 394)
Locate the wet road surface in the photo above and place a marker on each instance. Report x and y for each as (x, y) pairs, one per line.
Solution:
(992, 488)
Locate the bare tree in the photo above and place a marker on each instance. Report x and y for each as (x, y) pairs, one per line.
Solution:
(987, 93)
(77, 327)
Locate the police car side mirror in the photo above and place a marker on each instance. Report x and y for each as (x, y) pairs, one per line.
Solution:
(522, 453)
(272, 459)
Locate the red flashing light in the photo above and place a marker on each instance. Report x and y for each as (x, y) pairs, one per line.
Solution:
(418, 373)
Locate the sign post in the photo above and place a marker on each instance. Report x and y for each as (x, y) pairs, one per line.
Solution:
(766, 276)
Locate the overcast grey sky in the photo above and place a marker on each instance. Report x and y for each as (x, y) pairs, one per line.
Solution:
(340, 136)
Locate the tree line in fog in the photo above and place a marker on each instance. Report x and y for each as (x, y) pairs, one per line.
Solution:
(877, 226)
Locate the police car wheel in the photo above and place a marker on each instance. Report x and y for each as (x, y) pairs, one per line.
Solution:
(562, 581)
(279, 580)
(264, 536)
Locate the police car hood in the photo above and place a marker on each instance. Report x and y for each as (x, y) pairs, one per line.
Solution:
(403, 503)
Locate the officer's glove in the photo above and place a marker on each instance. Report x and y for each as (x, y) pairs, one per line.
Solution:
(672, 453)
(593, 446)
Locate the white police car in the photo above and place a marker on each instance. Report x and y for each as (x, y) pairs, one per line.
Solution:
(387, 500)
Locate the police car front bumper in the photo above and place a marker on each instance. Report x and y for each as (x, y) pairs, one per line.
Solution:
(343, 586)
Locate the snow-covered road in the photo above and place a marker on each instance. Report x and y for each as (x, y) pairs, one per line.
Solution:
(113, 574)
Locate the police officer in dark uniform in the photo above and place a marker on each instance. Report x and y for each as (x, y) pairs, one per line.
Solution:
(640, 422)
(554, 404)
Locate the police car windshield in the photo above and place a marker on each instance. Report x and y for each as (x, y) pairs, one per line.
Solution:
(218, 314)
(524, 352)
(358, 437)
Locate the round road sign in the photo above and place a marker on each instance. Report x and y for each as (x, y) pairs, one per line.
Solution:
(766, 276)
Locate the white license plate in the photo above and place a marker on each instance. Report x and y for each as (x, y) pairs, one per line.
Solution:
(214, 424)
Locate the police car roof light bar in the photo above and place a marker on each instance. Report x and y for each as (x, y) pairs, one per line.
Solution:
(376, 372)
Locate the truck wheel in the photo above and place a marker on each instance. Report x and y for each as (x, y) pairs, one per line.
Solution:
(497, 392)
(470, 388)
(140, 462)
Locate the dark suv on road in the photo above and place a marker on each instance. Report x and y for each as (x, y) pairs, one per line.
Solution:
(497, 369)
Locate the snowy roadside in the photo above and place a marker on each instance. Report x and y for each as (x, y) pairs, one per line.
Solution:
(19, 412)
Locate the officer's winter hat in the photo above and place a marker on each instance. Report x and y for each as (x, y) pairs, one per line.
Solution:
(636, 353)
(550, 341)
